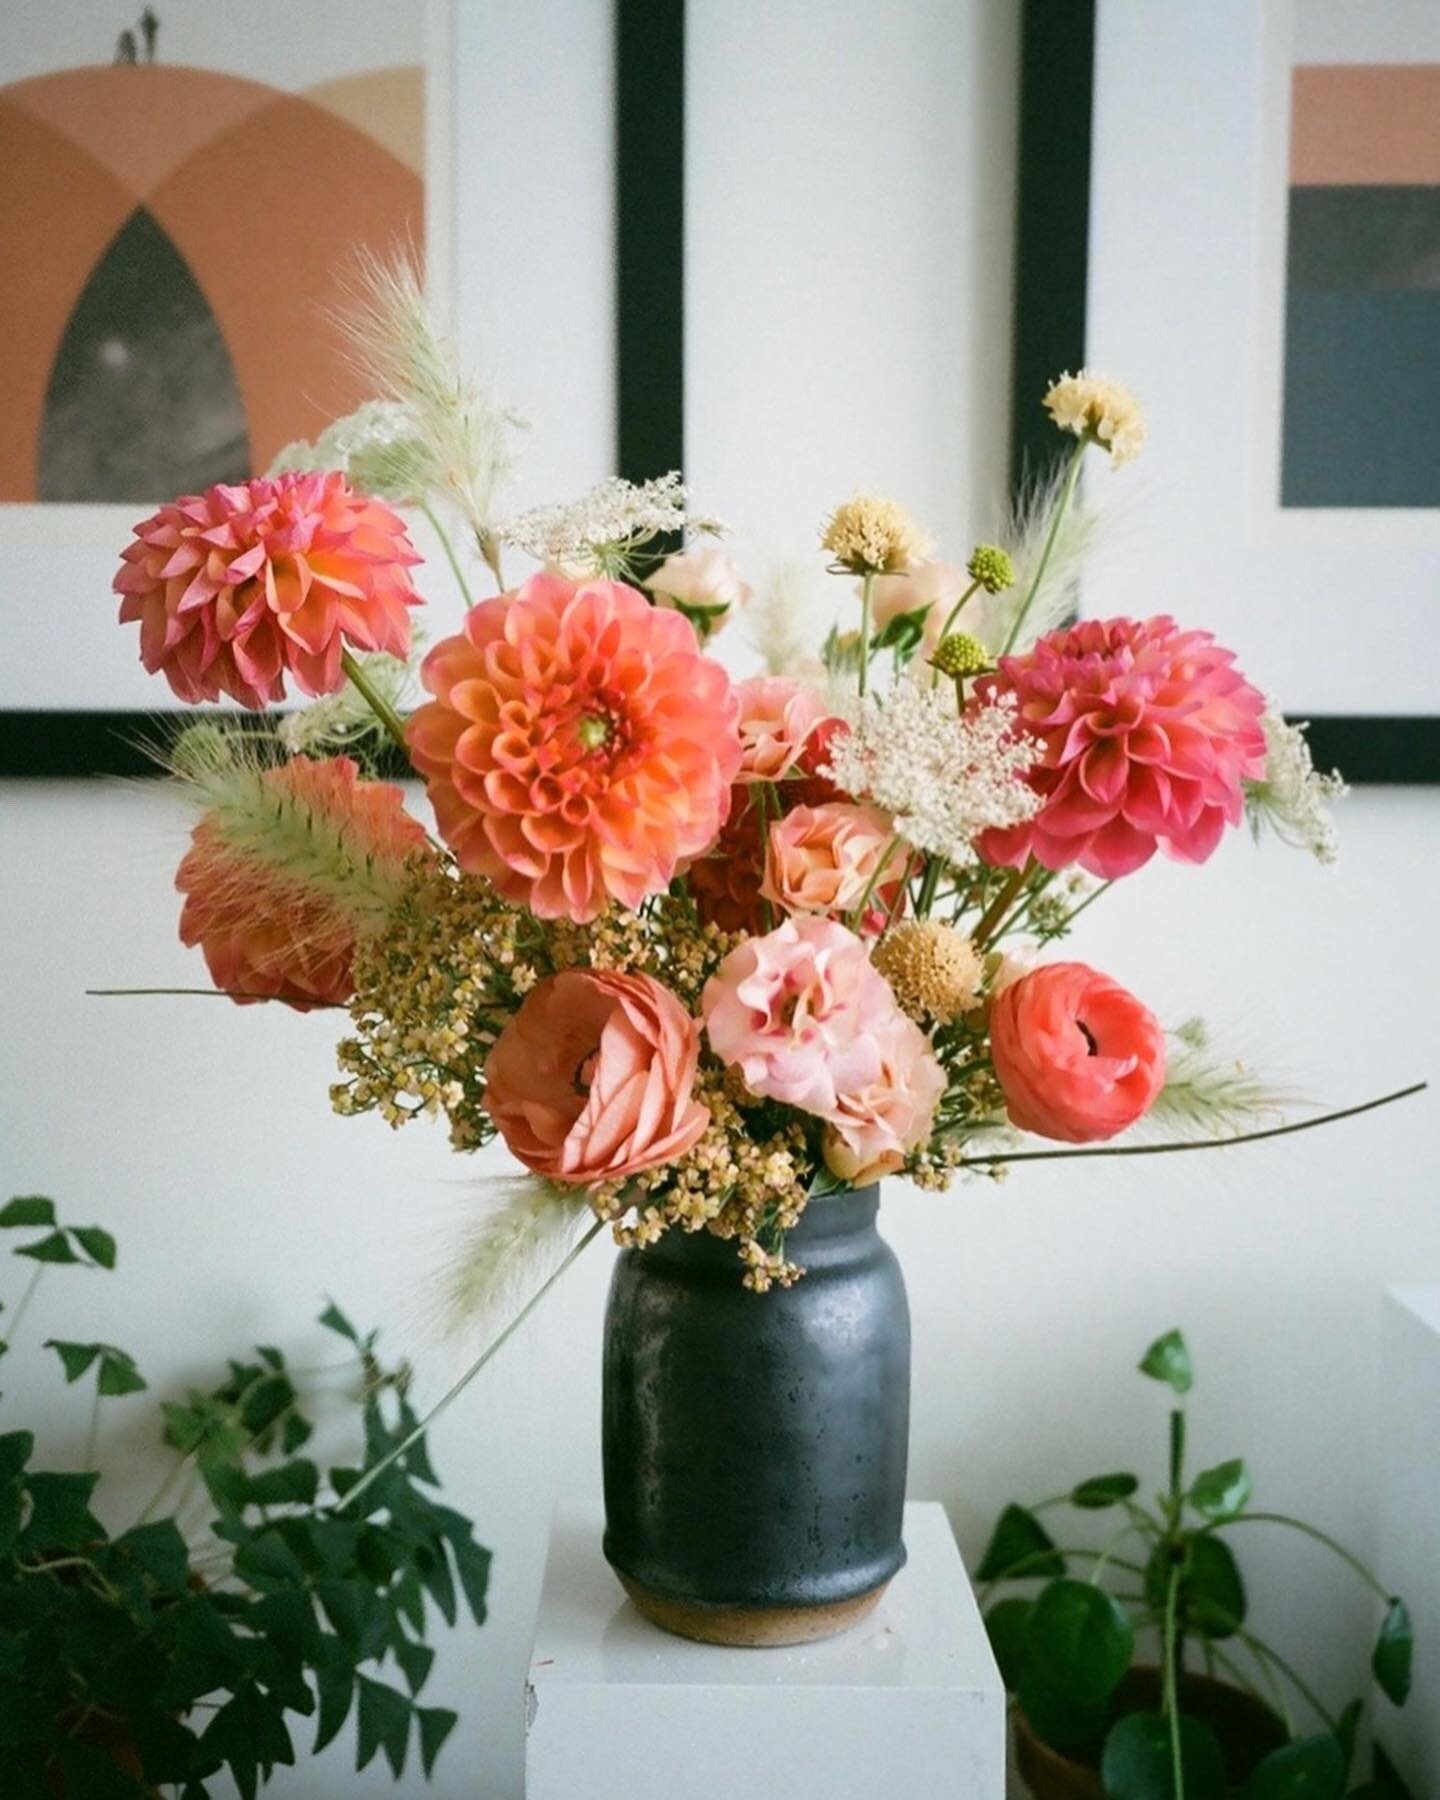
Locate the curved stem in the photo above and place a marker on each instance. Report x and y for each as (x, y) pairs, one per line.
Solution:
(1181, 1144)
(454, 1393)
(1310, 1531)
(867, 582)
(204, 993)
(1067, 491)
(1017, 1571)
(1171, 1700)
(449, 549)
(25, 1299)
(1002, 902)
(374, 699)
(1260, 1649)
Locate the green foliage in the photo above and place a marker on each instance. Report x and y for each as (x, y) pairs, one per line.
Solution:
(203, 1660)
(1064, 1650)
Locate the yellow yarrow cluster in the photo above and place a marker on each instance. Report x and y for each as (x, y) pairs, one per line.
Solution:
(1094, 407)
(934, 970)
(870, 535)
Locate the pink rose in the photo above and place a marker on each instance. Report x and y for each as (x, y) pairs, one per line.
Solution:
(1078, 1057)
(825, 859)
(704, 583)
(779, 719)
(592, 1078)
(876, 1126)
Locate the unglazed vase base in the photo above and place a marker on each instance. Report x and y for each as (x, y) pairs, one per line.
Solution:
(750, 1627)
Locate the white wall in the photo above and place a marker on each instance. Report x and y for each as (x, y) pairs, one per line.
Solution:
(848, 273)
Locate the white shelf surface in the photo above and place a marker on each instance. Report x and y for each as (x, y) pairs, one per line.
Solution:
(909, 1702)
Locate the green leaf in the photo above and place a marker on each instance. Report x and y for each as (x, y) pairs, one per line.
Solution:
(1019, 1549)
(1223, 1491)
(1064, 1724)
(1079, 1641)
(434, 1572)
(52, 1249)
(1394, 1652)
(384, 1721)
(12, 1511)
(295, 1429)
(60, 1516)
(336, 1685)
(267, 1562)
(436, 1723)
(16, 1449)
(1211, 1594)
(77, 1358)
(292, 1482)
(334, 1320)
(28, 1209)
(1346, 1726)
(1168, 1360)
(414, 1660)
(349, 1606)
(118, 1374)
(904, 632)
(1138, 1760)
(1005, 1623)
(1313, 1768)
(1103, 1490)
(98, 1245)
(160, 1550)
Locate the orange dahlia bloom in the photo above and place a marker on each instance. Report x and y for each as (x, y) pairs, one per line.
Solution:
(579, 747)
(277, 907)
(235, 586)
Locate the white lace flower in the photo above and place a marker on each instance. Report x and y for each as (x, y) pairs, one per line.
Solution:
(596, 532)
(1293, 799)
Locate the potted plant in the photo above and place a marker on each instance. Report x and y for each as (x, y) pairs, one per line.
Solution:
(1137, 1676)
(192, 1638)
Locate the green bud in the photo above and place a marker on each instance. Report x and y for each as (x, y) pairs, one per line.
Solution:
(959, 654)
(991, 567)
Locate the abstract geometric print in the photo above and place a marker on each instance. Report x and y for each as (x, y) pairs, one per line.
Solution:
(1361, 423)
(175, 238)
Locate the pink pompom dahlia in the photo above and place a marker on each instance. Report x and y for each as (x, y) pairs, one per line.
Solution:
(1145, 734)
(270, 929)
(579, 747)
(236, 586)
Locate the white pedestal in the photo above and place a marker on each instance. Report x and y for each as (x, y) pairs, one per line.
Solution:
(1410, 1522)
(908, 1703)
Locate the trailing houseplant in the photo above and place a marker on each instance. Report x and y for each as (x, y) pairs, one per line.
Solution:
(192, 1639)
(1100, 1648)
(705, 954)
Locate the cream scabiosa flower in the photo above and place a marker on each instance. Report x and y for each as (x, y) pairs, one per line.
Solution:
(870, 535)
(1092, 406)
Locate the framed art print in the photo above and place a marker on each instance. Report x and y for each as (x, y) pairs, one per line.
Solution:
(1257, 253)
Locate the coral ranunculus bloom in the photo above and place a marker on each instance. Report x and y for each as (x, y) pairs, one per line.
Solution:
(579, 747)
(1078, 1057)
(1145, 734)
(269, 935)
(592, 1079)
(239, 585)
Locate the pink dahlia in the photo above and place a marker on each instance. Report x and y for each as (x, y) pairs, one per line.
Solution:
(271, 932)
(1145, 733)
(234, 586)
(579, 747)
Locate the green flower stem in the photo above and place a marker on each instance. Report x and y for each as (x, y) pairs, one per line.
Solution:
(1067, 491)
(1171, 1694)
(1089, 900)
(490, 551)
(447, 1399)
(1027, 901)
(1310, 1531)
(956, 610)
(1180, 1144)
(93, 1433)
(25, 1299)
(1017, 1570)
(376, 701)
(857, 912)
(449, 549)
(1002, 903)
(1107, 1552)
(867, 582)
(1306, 1692)
(929, 883)
(1273, 1688)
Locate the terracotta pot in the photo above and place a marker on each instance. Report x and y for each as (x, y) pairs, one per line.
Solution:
(1248, 1731)
(114, 1737)
(755, 1444)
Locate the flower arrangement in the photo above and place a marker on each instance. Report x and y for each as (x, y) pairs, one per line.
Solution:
(189, 1643)
(699, 950)
(1093, 1718)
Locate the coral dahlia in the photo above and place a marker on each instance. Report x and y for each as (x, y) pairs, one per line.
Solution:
(235, 586)
(579, 747)
(1145, 735)
(286, 871)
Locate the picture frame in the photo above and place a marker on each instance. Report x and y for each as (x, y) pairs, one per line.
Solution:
(1174, 276)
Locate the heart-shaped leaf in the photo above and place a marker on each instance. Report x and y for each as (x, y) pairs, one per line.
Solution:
(1312, 1768)
(1394, 1652)
(1005, 1623)
(1103, 1490)
(1079, 1641)
(1211, 1593)
(1138, 1761)
(1061, 1723)
(1168, 1360)
(1019, 1548)
(1223, 1491)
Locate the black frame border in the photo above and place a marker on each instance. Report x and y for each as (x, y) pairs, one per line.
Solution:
(1057, 77)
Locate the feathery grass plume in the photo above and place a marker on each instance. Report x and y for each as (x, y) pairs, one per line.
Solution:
(345, 720)
(395, 346)
(1211, 1093)
(526, 1229)
(285, 834)
(779, 620)
(989, 616)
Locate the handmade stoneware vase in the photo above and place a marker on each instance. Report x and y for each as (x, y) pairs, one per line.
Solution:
(755, 1445)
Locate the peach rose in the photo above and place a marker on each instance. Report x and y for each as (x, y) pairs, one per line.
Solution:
(778, 721)
(825, 859)
(876, 1126)
(705, 584)
(935, 585)
(1077, 1056)
(592, 1078)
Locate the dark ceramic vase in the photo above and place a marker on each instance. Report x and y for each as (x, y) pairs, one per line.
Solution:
(755, 1444)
